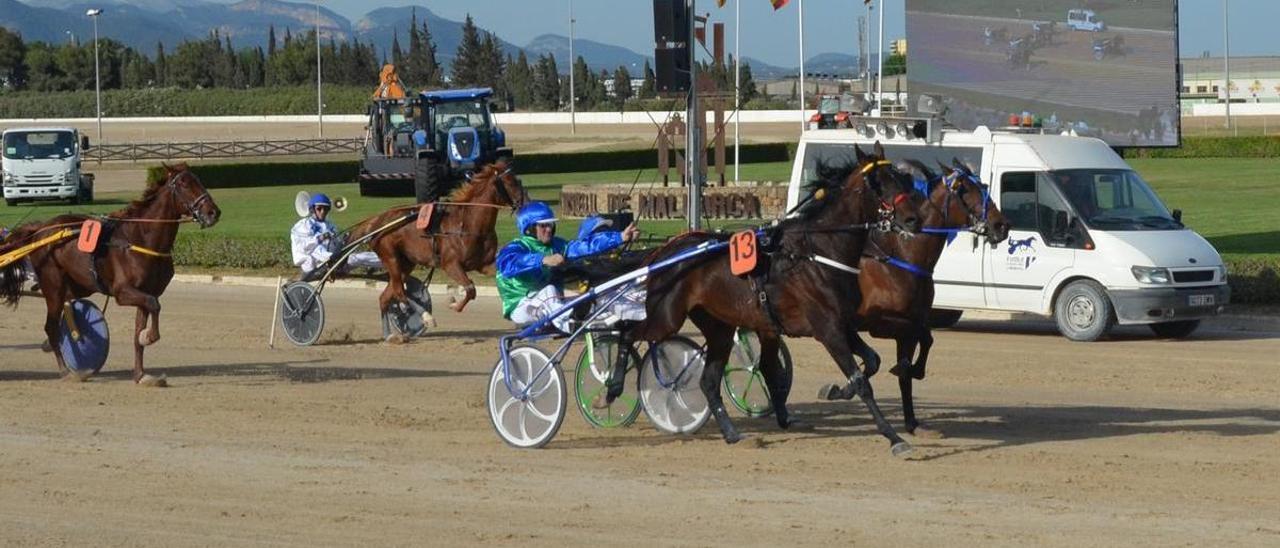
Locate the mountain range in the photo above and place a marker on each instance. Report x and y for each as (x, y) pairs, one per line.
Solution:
(142, 24)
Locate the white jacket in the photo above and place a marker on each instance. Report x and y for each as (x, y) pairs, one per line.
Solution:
(313, 242)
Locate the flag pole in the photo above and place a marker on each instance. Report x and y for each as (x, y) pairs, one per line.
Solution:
(803, 120)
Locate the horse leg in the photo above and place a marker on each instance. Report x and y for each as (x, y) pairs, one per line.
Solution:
(870, 365)
(455, 271)
(54, 298)
(148, 308)
(394, 292)
(906, 348)
(837, 340)
(926, 342)
(775, 378)
(719, 337)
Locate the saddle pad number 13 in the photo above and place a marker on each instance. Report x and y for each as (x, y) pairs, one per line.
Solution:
(743, 252)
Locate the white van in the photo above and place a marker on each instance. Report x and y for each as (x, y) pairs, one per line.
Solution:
(1085, 20)
(1091, 245)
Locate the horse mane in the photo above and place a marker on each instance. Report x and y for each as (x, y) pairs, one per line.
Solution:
(137, 207)
(468, 192)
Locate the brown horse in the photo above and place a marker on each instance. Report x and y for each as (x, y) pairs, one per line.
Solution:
(132, 262)
(461, 237)
(897, 283)
(805, 287)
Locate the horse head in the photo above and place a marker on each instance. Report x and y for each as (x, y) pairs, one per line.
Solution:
(891, 187)
(508, 188)
(967, 202)
(189, 195)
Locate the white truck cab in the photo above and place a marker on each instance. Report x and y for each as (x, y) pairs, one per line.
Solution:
(44, 164)
(1090, 245)
(1086, 20)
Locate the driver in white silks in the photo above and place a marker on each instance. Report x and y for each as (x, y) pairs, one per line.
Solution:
(524, 275)
(314, 239)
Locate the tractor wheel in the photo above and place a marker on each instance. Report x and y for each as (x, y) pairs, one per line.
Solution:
(426, 180)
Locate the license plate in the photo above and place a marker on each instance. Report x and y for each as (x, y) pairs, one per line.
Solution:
(1200, 300)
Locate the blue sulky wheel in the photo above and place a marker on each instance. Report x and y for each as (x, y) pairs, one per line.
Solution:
(670, 386)
(526, 399)
(301, 313)
(85, 340)
(743, 380)
(409, 318)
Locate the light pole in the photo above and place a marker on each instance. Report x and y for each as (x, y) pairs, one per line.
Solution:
(97, 79)
(573, 115)
(804, 122)
(737, 83)
(693, 118)
(880, 57)
(1226, 60)
(319, 96)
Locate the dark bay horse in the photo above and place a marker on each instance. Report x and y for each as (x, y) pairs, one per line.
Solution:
(461, 237)
(132, 262)
(805, 287)
(896, 279)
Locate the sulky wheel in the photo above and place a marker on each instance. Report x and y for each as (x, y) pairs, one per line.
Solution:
(301, 313)
(526, 398)
(85, 341)
(412, 318)
(743, 380)
(670, 388)
(591, 380)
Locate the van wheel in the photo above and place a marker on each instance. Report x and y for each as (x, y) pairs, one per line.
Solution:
(941, 318)
(1083, 311)
(10, 203)
(1175, 330)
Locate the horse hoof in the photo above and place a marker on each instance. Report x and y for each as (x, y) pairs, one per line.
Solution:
(797, 426)
(917, 373)
(397, 338)
(45, 346)
(896, 371)
(144, 339)
(428, 320)
(901, 449)
(72, 376)
(153, 381)
(833, 392)
(457, 306)
(732, 438)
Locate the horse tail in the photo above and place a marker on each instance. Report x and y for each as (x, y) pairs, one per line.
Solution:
(12, 276)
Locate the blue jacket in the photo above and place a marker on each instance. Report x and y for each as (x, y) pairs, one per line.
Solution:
(520, 269)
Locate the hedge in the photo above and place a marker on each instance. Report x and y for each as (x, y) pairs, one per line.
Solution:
(117, 103)
(1254, 280)
(258, 174)
(1213, 147)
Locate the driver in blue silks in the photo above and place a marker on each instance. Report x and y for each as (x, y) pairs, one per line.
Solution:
(314, 239)
(524, 280)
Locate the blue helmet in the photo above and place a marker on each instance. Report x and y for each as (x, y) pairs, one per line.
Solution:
(533, 213)
(318, 200)
(592, 224)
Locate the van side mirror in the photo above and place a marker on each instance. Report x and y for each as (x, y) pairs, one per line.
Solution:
(84, 142)
(1177, 215)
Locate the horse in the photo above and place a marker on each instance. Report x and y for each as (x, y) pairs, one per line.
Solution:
(132, 261)
(461, 236)
(803, 287)
(896, 279)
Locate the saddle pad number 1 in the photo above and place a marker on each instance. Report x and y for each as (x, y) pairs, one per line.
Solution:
(89, 233)
(424, 216)
(743, 252)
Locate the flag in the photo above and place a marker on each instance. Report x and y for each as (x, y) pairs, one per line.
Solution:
(720, 3)
(777, 4)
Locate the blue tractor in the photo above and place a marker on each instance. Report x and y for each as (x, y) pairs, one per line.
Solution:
(427, 142)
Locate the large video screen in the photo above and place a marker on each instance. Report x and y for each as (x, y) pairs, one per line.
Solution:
(1105, 68)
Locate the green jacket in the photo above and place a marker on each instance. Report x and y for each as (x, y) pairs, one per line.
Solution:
(520, 269)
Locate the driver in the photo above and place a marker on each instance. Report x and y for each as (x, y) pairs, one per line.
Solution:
(314, 239)
(524, 280)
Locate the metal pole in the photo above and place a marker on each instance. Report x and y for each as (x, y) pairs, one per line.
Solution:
(319, 97)
(573, 64)
(1226, 59)
(804, 122)
(97, 80)
(737, 83)
(880, 67)
(866, 52)
(692, 148)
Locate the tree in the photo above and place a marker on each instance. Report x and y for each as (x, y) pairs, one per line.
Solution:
(271, 41)
(491, 65)
(162, 67)
(649, 87)
(519, 80)
(546, 84)
(397, 55)
(43, 73)
(621, 87)
(467, 60)
(12, 65)
(747, 89)
(420, 66)
(895, 64)
(137, 72)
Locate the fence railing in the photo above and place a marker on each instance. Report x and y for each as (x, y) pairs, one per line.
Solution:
(222, 149)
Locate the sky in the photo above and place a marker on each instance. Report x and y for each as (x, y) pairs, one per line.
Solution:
(830, 25)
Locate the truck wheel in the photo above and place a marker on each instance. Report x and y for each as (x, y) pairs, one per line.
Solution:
(941, 318)
(426, 180)
(1175, 330)
(10, 203)
(86, 195)
(1083, 311)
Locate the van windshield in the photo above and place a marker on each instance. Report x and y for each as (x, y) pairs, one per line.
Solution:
(39, 144)
(1113, 199)
(842, 154)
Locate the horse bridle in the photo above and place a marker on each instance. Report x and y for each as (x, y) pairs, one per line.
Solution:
(192, 206)
(502, 189)
(886, 208)
(978, 222)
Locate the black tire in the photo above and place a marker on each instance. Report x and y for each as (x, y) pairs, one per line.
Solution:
(1175, 330)
(365, 188)
(1083, 311)
(426, 180)
(86, 195)
(942, 318)
(10, 203)
(406, 318)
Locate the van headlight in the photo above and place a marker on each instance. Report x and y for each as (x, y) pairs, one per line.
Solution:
(1151, 274)
(1222, 273)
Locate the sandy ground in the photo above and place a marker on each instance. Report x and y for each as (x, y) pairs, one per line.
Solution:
(1048, 442)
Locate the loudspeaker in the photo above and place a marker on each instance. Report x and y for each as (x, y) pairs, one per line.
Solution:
(671, 69)
(928, 105)
(670, 21)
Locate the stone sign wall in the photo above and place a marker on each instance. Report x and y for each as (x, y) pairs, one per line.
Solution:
(742, 201)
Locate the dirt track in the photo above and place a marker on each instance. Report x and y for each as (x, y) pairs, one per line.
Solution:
(1130, 441)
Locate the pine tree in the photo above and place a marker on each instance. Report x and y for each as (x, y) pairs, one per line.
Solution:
(288, 37)
(397, 56)
(622, 91)
(12, 52)
(520, 80)
(747, 91)
(546, 84)
(648, 88)
(466, 62)
(162, 66)
(271, 41)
